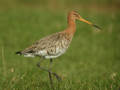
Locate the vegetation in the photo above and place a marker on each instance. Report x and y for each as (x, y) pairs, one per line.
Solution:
(91, 63)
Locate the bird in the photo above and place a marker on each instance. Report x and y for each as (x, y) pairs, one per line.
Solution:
(56, 44)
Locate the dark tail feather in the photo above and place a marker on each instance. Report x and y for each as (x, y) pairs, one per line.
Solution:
(19, 53)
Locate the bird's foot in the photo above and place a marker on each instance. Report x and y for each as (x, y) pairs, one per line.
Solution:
(57, 77)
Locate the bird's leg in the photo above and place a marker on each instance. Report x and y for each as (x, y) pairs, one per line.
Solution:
(50, 75)
(44, 69)
(57, 77)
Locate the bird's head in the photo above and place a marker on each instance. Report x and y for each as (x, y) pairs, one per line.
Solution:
(73, 15)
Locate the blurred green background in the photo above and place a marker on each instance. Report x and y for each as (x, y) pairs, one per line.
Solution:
(91, 63)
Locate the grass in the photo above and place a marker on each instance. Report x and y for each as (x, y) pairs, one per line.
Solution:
(91, 63)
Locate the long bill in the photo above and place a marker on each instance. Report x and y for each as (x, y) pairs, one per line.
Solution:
(94, 25)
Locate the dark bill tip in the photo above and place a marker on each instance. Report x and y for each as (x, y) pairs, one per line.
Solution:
(97, 27)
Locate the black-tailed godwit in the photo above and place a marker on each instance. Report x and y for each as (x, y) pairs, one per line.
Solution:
(56, 44)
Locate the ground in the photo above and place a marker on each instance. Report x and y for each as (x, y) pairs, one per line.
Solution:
(92, 61)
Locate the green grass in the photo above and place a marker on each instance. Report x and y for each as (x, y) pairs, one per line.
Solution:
(91, 63)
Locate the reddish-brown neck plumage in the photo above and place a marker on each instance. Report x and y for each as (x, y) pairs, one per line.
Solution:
(71, 25)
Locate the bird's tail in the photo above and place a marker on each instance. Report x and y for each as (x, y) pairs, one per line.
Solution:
(18, 53)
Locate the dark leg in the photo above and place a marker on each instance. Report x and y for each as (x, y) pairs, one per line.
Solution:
(50, 75)
(49, 71)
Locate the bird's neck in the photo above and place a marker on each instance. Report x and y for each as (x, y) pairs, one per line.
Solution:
(71, 27)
